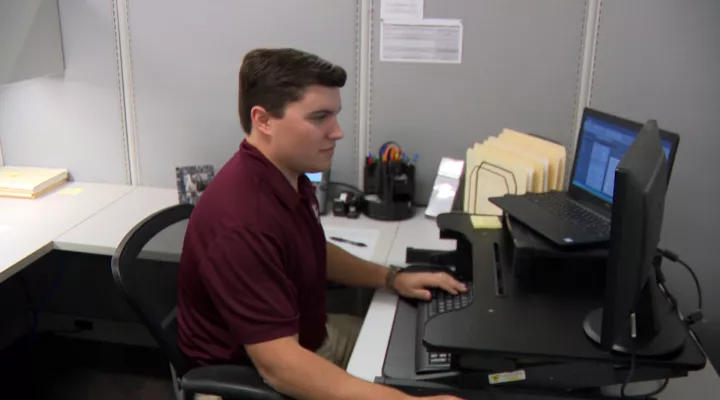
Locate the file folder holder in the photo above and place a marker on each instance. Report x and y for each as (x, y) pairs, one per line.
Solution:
(474, 176)
(389, 190)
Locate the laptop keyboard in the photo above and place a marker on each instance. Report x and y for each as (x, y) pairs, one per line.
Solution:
(572, 212)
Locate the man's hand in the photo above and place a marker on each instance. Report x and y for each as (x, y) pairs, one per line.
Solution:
(415, 284)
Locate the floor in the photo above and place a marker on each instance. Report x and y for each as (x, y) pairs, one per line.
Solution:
(51, 367)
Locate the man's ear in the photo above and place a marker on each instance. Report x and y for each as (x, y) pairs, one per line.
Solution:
(261, 119)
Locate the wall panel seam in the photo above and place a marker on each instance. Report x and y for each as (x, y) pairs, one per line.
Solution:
(127, 99)
(364, 85)
(121, 95)
(2, 162)
(595, 50)
(371, 69)
(356, 109)
(579, 73)
(585, 73)
(133, 147)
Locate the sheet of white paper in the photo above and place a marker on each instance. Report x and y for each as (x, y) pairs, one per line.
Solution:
(402, 9)
(425, 41)
(369, 237)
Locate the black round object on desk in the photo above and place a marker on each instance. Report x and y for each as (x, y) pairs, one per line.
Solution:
(388, 211)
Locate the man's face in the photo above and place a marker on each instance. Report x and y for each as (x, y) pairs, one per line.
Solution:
(304, 139)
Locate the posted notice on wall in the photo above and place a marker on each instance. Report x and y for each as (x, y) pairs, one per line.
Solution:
(421, 41)
(402, 9)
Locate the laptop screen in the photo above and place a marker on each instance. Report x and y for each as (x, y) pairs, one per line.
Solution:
(602, 144)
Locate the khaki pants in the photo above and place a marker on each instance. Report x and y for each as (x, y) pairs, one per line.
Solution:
(342, 333)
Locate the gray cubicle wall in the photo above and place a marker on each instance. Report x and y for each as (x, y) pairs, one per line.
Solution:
(71, 120)
(185, 60)
(520, 70)
(659, 59)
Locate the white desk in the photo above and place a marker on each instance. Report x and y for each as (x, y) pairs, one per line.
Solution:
(387, 230)
(102, 233)
(30, 226)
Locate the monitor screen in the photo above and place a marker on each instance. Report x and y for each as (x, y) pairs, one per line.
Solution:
(315, 177)
(602, 145)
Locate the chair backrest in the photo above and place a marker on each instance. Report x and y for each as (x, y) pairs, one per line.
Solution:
(144, 268)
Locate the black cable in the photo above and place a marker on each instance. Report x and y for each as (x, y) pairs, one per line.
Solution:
(630, 374)
(629, 377)
(697, 315)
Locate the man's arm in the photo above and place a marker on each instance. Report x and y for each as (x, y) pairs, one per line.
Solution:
(301, 374)
(346, 269)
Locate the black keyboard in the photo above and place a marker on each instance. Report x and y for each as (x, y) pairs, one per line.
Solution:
(570, 211)
(442, 302)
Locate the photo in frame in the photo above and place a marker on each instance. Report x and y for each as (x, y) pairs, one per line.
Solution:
(192, 180)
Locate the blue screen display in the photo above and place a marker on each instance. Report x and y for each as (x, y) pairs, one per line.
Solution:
(315, 177)
(602, 145)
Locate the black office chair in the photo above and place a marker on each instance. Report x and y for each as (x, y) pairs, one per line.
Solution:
(145, 273)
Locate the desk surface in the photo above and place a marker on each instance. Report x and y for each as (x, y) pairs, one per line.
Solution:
(30, 226)
(421, 232)
(95, 219)
(102, 233)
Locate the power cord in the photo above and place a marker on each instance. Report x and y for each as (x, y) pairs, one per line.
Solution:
(697, 316)
(691, 319)
(633, 355)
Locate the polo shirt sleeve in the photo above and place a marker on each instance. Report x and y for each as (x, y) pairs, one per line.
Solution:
(246, 280)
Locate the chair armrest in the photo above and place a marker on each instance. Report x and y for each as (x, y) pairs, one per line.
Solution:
(229, 382)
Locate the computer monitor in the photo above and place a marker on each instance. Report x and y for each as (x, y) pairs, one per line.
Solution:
(634, 314)
(603, 140)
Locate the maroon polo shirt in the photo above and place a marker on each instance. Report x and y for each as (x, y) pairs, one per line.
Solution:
(253, 264)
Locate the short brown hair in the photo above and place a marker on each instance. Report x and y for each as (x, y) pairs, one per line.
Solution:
(273, 78)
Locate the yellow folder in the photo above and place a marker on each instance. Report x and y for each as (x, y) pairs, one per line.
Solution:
(491, 175)
(512, 153)
(28, 182)
(555, 151)
(525, 151)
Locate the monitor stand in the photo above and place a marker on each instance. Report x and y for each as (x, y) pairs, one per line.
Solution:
(659, 329)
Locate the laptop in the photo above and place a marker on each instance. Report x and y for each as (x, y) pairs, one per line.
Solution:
(581, 216)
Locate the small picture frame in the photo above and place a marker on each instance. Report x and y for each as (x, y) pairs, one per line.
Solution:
(192, 180)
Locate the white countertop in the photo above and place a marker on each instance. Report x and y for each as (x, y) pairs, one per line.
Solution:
(102, 233)
(29, 226)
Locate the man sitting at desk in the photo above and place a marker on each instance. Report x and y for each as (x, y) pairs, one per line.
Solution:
(255, 262)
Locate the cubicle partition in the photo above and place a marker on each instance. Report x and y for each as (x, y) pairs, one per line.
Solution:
(658, 59)
(74, 119)
(185, 59)
(520, 69)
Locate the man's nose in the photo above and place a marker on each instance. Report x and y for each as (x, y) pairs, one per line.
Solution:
(337, 132)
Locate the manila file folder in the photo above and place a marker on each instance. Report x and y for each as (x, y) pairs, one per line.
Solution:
(541, 164)
(555, 151)
(29, 182)
(536, 180)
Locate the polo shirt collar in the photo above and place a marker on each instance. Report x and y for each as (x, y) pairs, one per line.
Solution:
(276, 179)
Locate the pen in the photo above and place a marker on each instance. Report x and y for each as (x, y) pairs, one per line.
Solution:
(348, 241)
